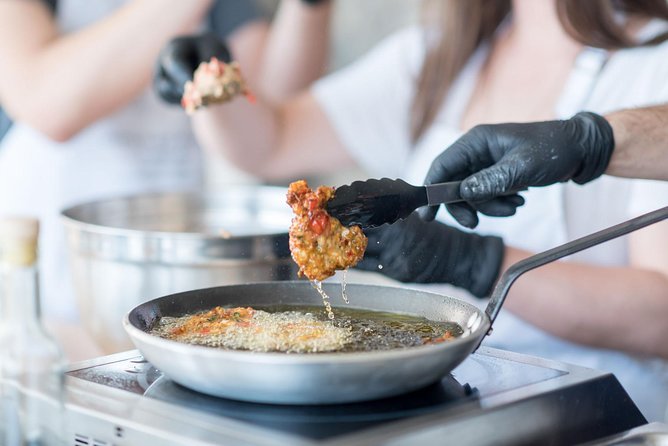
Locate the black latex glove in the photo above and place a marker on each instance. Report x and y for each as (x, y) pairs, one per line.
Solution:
(179, 59)
(416, 251)
(495, 160)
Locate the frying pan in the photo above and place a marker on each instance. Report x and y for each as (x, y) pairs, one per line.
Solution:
(330, 378)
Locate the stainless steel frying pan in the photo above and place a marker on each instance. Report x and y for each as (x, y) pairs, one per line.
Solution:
(330, 378)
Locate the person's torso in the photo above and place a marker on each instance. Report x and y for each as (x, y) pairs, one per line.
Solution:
(559, 213)
(553, 215)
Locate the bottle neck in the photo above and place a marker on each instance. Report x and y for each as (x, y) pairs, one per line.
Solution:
(19, 299)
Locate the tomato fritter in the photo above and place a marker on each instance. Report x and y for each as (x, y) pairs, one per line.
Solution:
(215, 321)
(319, 243)
(214, 82)
(255, 330)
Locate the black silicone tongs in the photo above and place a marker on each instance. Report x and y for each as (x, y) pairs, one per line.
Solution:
(372, 203)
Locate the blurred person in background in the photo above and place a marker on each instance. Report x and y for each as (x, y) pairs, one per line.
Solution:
(491, 61)
(75, 79)
(355, 28)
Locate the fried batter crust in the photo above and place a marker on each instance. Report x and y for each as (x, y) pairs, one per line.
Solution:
(319, 243)
(214, 82)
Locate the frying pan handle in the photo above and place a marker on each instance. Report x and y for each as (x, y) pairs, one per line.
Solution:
(516, 270)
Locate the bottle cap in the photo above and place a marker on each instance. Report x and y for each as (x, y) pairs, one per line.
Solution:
(18, 240)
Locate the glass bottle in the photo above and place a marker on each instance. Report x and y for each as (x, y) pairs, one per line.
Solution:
(31, 362)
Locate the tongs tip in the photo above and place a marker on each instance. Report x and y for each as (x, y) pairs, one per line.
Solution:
(375, 202)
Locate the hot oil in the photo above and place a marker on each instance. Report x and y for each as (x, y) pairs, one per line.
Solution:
(378, 330)
(353, 330)
(325, 298)
(344, 296)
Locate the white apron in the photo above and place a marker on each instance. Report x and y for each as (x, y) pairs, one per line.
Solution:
(146, 146)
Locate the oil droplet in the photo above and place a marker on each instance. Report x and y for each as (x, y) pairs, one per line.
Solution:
(380, 266)
(325, 298)
(344, 296)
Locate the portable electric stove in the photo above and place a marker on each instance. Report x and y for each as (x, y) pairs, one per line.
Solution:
(494, 397)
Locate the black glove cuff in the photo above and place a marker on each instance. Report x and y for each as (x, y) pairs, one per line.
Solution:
(470, 261)
(418, 252)
(598, 143)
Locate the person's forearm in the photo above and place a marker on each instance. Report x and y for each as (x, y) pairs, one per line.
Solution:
(641, 143)
(70, 81)
(232, 129)
(273, 142)
(297, 49)
(618, 308)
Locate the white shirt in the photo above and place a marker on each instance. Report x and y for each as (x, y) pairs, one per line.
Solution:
(369, 103)
(146, 146)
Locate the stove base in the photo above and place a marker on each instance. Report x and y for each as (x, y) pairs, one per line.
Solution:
(494, 397)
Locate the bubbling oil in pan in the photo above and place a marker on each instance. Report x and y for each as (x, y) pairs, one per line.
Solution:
(307, 329)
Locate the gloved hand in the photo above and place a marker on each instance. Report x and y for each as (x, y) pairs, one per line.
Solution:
(495, 160)
(179, 59)
(416, 251)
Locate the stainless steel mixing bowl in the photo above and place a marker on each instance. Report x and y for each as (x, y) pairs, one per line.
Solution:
(129, 250)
